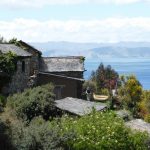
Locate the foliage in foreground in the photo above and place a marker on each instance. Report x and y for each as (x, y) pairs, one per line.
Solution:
(39, 135)
(102, 131)
(97, 131)
(33, 102)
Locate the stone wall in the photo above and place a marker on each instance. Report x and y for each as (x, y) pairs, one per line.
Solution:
(34, 65)
(69, 87)
(20, 79)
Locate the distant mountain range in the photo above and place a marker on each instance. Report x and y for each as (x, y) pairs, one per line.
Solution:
(95, 50)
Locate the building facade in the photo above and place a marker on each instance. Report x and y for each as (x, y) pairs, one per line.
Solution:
(66, 73)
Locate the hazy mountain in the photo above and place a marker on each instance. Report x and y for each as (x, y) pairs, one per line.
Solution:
(96, 50)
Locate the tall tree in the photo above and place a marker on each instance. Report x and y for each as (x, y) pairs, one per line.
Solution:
(105, 77)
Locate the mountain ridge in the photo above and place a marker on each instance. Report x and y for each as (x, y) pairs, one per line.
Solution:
(95, 50)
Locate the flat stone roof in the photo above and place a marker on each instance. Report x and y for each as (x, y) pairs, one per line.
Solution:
(78, 106)
(61, 64)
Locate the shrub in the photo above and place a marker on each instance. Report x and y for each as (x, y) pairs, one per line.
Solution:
(39, 135)
(100, 131)
(130, 94)
(2, 102)
(105, 92)
(90, 84)
(33, 102)
(147, 118)
(144, 106)
(7, 66)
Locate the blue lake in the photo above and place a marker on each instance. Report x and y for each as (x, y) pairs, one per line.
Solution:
(138, 67)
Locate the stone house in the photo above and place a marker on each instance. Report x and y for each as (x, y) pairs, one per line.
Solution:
(20, 77)
(66, 73)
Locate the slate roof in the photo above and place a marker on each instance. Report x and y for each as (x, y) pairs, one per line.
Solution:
(30, 46)
(78, 106)
(5, 48)
(61, 64)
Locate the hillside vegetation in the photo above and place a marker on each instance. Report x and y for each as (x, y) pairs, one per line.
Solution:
(28, 123)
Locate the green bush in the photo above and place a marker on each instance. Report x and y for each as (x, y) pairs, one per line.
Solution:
(33, 102)
(97, 131)
(7, 66)
(90, 84)
(147, 118)
(144, 106)
(130, 94)
(39, 135)
(102, 131)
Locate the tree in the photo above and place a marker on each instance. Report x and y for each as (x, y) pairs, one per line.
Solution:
(111, 78)
(100, 77)
(145, 106)
(130, 93)
(105, 77)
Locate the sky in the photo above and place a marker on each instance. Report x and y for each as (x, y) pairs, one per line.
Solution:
(75, 20)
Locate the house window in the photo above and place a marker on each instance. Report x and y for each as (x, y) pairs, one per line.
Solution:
(23, 66)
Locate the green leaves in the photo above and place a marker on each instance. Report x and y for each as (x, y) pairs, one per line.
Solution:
(7, 67)
(7, 62)
(33, 102)
(144, 106)
(100, 131)
(130, 93)
(104, 77)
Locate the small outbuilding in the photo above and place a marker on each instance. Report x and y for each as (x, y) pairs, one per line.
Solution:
(78, 107)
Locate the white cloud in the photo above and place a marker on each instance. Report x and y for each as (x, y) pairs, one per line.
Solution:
(42, 3)
(107, 30)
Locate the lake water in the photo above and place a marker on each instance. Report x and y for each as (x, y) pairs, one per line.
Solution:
(138, 67)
